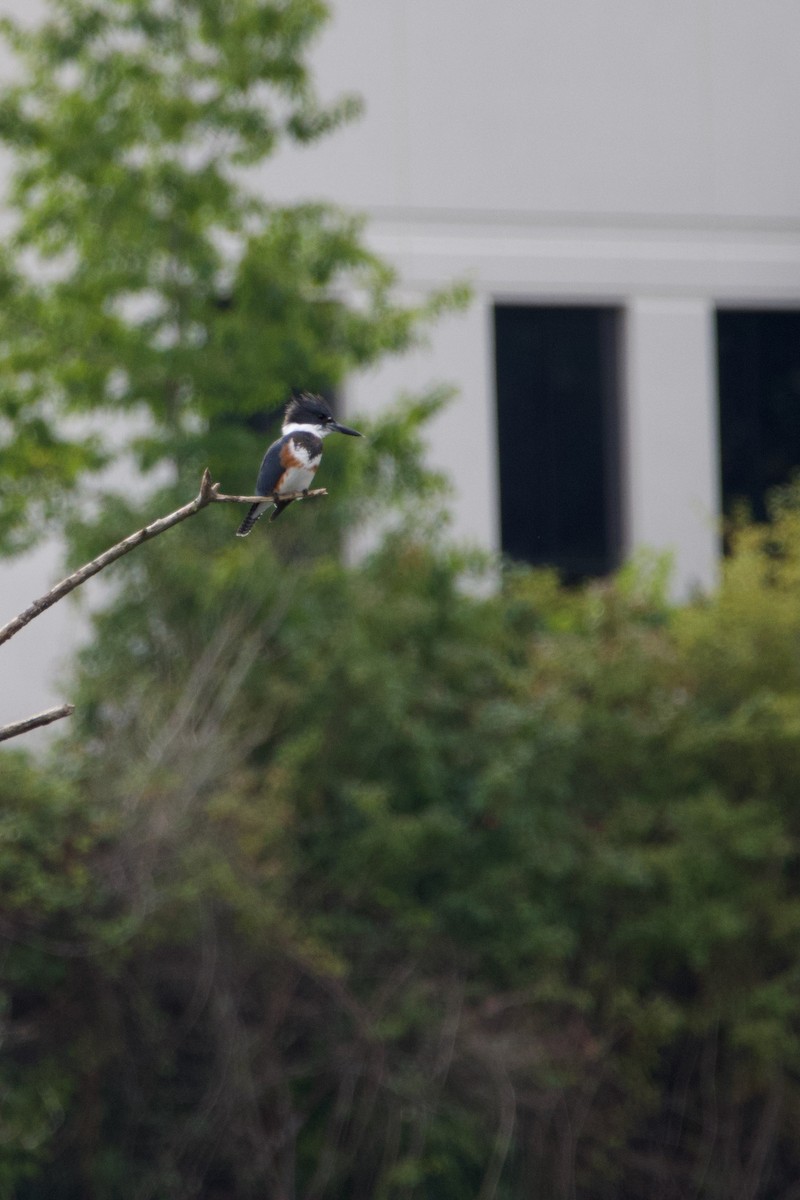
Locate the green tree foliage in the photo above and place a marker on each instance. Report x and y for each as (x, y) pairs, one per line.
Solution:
(146, 278)
(403, 891)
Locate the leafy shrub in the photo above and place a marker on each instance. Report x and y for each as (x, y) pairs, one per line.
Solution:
(418, 891)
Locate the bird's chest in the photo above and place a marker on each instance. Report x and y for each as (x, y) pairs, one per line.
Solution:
(300, 456)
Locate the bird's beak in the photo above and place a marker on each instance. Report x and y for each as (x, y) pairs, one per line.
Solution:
(343, 429)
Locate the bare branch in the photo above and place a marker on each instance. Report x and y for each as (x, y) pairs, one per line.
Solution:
(220, 498)
(208, 494)
(42, 718)
(62, 589)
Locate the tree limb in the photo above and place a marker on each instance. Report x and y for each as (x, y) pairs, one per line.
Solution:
(209, 494)
(221, 498)
(42, 718)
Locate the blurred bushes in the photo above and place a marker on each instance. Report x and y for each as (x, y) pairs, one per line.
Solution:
(354, 883)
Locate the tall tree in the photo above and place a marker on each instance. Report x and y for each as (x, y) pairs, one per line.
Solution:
(145, 277)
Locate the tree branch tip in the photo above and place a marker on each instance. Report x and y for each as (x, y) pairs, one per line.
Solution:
(206, 487)
(223, 498)
(43, 718)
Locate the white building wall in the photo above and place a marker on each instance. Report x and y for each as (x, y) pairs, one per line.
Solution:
(628, 153)
(560, 108)
(462, 438)
(670, 435)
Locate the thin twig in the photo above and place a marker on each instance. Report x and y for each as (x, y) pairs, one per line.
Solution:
(219, 497)
(209, 494)
(42, 718)
(85, 572)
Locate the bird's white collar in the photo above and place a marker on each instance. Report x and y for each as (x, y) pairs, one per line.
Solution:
(293, 427)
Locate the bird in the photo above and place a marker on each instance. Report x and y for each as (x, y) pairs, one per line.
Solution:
(290, 463)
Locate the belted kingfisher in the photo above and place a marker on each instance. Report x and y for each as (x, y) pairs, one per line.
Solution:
(291, 462)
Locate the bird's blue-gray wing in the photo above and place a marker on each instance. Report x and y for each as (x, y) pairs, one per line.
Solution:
(269, 476)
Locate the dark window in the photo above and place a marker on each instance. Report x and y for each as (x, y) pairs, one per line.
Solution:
(758, 360)
(557, 430)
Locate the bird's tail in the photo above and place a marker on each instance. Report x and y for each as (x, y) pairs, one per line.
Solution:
(247, 524)
(280, 505)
